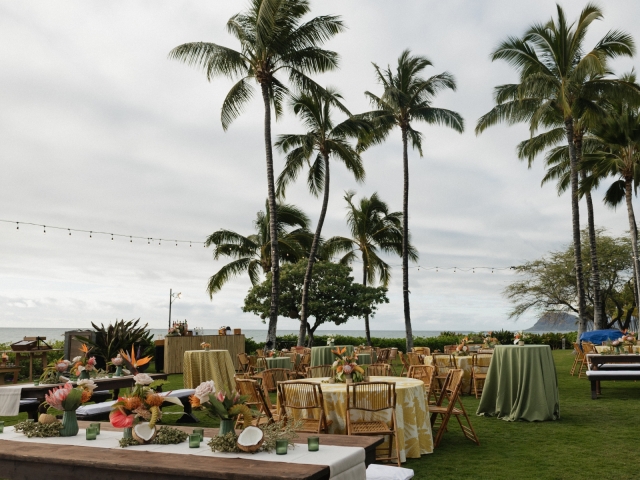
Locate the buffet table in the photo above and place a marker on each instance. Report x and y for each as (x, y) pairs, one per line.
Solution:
(103, 459)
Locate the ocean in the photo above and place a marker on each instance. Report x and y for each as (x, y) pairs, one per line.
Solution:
(11, 335)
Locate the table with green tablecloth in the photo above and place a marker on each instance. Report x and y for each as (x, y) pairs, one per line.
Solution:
(203, 365)
(365, 358)
(278, 362)
(521, 384)
(323, 355)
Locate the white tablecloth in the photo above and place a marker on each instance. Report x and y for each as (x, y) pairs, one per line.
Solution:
(10, 400)
(346, 463)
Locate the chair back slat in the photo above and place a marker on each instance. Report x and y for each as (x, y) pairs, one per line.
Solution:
(379, 370)
(371, 396)
(319, 371)
(272, 376)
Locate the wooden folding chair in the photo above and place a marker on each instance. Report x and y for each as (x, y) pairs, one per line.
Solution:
(272, 376)
(577, 360)
(415, 358)
(374, 397)
(405, 363)
(426, 373)
(379, 370)
(422, 350)
(440, 413)
(251, 389)
(479, 367)
(319, 371)
(443, 363)
(303, 398)
(588, 348)
(303, 364)
(245, 364)
(383, 356)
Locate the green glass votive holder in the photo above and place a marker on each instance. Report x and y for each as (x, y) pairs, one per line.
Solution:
(36, 382)
(281, 446)
(110, 375)
(1, 426)
(194, 440)
(313, 443)
(199, 431)
(96, 426)
(92, 433)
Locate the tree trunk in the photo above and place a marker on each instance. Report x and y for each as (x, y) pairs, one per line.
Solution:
(633, 230)
(599, 317)
(312, 254)
(405, 242)
(275, 258)
(575, 216)
(367, 331)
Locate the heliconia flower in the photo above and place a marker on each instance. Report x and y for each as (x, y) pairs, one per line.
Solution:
(56, 396)
(119, 419)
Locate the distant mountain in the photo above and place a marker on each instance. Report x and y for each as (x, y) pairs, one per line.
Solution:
(555, 322)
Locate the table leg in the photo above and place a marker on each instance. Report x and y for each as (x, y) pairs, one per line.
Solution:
(31, 367)
(594, 395)
(18, 358)
(116, 393)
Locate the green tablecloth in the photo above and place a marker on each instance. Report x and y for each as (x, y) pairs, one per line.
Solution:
(521, 384)
(365, 358)
(323, 355)
(278, 362)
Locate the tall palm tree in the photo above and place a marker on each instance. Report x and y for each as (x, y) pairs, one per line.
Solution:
(554, 73)
(273, 41)
(252, 254)
(373, 229)
(408, 98)
(324, 140)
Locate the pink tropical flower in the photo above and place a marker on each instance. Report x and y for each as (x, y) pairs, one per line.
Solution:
(56, 396)
(204, 389)
(91, 361)
(347, 369)
(220, 396)
(62, 367)
(119, 419)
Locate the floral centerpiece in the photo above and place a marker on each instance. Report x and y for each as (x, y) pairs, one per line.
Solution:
(462, 349)
(117, 362)
(139, 412)
(345, 368)
(205, 345)
(273, 354)
(518, 338)
(331, 341)
(489, 341)
(226, 406)
(628, 339)
(68, 398)
(54, 370)
(83, 365)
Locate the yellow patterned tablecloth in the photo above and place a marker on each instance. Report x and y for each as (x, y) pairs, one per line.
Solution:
(414, 429)
(204, 365)
(606, 348)
(461, 362)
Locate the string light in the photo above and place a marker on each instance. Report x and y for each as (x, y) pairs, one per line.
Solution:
(91, 232)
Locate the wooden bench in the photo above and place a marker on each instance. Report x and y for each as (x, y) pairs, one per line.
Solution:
(611, 367)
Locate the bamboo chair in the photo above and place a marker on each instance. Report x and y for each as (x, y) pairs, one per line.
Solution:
(379, 370)
(577, 360)
(405, 363)
(260, 352)
(393, 354)
(442, 413)
(443, 363)
(272, 376)
(303, 397)
(319, 371)
(303, 364)
(415, 359)
(374, 397)
(588, 348)
(426, 373)
(421, 350)
(245, 364)
(383, 356)
(479, 367)
(251, 388)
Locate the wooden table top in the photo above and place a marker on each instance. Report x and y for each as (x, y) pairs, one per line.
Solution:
(52, 462)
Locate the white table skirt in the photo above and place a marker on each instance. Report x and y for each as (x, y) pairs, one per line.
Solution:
(346, 463)
(10, 400)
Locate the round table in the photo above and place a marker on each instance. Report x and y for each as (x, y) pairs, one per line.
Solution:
(365, 358)
(204, 365)
(521, 384)
(323, 355)
(462, 362)
(414, 428)
(278, 362)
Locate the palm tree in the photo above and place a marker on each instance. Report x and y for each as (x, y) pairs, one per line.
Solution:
(273, 41)
(252, 254)
(408, 98)
(373, 230)
(323, 140)
(555, 76)
(618, 154)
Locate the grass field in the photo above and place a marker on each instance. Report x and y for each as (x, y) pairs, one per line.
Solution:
(593, 440)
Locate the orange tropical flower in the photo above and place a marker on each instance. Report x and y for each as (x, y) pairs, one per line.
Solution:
(131, 403)
(86, 395)
(85, 349)
(135, 362)
(154, 400)
(194, 401)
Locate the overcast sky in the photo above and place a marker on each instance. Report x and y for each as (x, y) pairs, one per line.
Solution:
(100, 131)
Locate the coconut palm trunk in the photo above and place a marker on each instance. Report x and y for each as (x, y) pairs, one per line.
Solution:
(312, 253)
(575, 216)
(271, 197)
(633, 231)
(405, 242)
(367, 330)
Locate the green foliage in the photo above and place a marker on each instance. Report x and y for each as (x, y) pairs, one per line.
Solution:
(118, 336)
(42, 430)
(333, 295)
(128, 442)
(169, 436)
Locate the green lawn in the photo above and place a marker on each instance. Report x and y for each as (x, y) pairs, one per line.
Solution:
(594, 439)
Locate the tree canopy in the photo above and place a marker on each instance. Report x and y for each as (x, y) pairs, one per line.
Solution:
(333, 295)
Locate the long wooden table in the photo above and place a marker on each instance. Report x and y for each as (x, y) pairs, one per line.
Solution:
(611, 367)
(52, 462)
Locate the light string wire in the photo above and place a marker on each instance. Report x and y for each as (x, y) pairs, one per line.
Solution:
(191, 242)
(96, 232)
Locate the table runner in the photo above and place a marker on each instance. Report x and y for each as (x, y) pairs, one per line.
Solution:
(414, 429)
(521, 384)
(345, 463)
(10, 400)
(204, 365)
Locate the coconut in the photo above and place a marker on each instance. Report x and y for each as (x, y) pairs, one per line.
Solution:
(250, 440)
(143, 433)
(47, 419)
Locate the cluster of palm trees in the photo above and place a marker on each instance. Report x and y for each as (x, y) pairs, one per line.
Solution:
(275, 43)
(583, 118)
